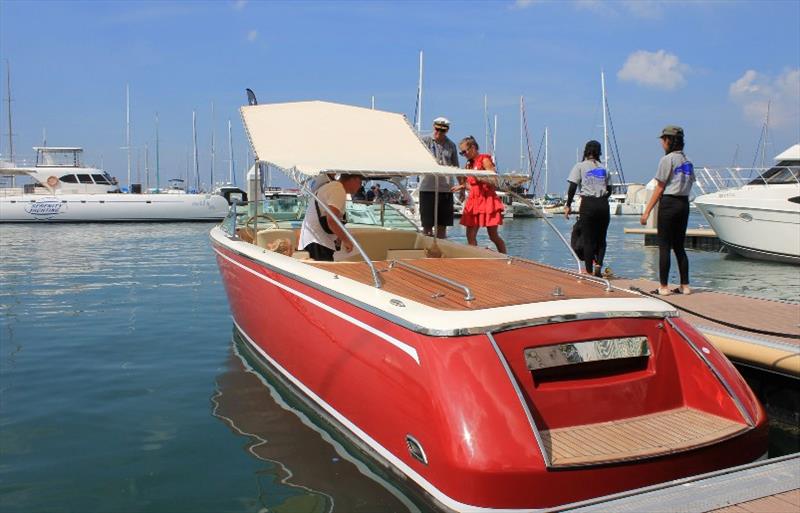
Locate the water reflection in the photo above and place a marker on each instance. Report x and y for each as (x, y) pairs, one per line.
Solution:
(308, 470)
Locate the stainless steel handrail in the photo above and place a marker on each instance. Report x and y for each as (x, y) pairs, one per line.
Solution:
(528, 414)
(745, 414)
(375, 277)
(467, 292)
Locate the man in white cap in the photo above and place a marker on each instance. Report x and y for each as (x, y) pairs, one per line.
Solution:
(432, 212)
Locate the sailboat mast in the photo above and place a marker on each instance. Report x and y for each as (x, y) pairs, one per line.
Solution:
(213, 153)
(766, 131)
(194, 152)
(494, 141)
(605, 120)
(230, 154)
(146, 168)
(8, 102)
(521, 138)
(158, 176)
(419, 96)
(546, 168)
(128, 129)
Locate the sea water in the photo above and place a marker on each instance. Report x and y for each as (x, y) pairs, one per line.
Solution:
(121, 389)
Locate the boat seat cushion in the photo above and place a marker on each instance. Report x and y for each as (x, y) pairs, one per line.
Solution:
(278, 240)
(405, 254)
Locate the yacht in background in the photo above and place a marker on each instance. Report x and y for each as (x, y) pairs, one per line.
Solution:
(760, 219)
(62, 189)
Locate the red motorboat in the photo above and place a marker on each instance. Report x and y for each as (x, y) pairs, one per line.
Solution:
(490, 383)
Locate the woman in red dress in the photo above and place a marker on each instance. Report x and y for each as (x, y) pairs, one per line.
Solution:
(483, 207)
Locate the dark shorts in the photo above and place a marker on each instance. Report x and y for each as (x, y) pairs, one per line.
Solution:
(319, 252)
(426, 200)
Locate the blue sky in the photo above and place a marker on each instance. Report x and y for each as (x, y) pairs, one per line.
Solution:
(708, 66)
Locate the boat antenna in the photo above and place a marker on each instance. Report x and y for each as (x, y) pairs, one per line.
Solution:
(373, 102)
(213, 153)
(44, 137)
(194, 152)
(146, 167)
(521, 139)
(251, 97)
(158, 176)
(546, 167)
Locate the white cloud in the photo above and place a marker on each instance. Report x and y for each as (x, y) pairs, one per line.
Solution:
(753, 91)
(659, 69)
(239, 4)
(252, 35)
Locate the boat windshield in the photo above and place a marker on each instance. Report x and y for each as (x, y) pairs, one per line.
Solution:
(287, 210)
(786, 172)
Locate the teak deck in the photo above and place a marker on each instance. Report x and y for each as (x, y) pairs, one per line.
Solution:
(652, 435)
(494, 282)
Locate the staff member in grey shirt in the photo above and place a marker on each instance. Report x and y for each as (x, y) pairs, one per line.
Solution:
(593, 180)
(446, 154)
(674, 180)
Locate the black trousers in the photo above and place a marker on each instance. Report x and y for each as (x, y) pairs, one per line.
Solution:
(594, 219)
(673, 218)
(319, 252)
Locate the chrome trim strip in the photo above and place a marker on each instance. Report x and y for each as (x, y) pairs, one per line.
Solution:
(467, 292)
(474, 330)
(576, 353)
(528, 414)
(409, 350)
(377, 447)
(736, 400)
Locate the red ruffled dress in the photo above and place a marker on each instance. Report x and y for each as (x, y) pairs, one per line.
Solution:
(483, 207)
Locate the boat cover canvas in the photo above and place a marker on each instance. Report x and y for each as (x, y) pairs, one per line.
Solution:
(314, 137)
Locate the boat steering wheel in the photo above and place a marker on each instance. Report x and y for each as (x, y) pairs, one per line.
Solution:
(250, 223)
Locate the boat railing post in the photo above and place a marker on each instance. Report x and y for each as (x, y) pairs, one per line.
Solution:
(375, 278)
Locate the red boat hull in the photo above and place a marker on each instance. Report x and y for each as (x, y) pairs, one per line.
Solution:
(383, 382)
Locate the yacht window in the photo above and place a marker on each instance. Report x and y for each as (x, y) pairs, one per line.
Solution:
(783, 173)
(69, 179)
(796, 199)
(101, 179)
(85, 179)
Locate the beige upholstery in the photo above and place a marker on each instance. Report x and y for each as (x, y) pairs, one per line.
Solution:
(377, 242)
(266, 237)
(301, 255)
(405, 254)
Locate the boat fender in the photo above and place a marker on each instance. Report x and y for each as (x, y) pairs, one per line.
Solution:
(52, 181)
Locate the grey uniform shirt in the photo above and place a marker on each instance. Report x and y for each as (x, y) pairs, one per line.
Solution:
(446, 154)
(677, 172)
(591, 178)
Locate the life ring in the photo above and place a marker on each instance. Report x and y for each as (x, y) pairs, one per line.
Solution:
(52, 181)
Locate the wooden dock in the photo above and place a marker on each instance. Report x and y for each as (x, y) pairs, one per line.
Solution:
(765, 486)
(760, 332)
(696, 238)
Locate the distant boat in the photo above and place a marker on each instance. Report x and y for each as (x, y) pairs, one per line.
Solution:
(760, 219)
(64, 190)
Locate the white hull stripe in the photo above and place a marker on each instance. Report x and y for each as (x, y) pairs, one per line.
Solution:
(412, 352)
(377, 447)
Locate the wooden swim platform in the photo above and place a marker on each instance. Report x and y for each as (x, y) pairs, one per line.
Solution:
(761, 332)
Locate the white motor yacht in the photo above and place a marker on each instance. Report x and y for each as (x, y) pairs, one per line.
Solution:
(62, 189)
(760, 219)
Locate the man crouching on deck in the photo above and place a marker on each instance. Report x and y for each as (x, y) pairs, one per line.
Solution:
(320, 237)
